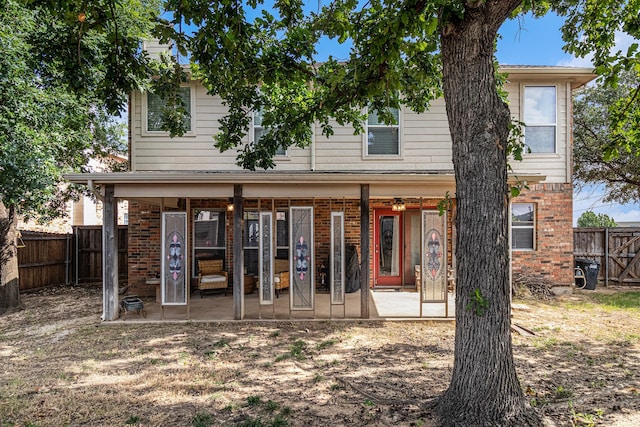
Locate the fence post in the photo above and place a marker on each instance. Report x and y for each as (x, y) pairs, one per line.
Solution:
(606, 257)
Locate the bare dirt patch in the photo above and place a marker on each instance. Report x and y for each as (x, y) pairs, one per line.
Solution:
(60, 365)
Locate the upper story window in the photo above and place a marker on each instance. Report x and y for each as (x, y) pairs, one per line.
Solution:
(523, 226)
(155, 105)
(540, 118)
(259, 131)
(382, 139)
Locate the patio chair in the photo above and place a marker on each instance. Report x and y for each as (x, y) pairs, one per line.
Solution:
(211, 276)
(281, 275)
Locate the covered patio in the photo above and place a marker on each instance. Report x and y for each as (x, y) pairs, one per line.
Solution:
(330, 210)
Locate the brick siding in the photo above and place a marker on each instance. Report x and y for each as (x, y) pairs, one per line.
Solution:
(553, 254)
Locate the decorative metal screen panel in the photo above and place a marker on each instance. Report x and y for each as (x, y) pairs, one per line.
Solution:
(302, 290)
(337, 258)
(266, 258)
(433, 271)
(174, 258)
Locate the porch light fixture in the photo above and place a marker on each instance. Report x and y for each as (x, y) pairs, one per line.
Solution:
(398, 205)
(230, 207)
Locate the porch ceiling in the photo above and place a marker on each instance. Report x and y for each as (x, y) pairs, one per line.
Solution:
(278, 184)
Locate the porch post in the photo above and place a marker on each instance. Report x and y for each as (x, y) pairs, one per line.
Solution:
(364, 249)
(238, 255)
(109, 255)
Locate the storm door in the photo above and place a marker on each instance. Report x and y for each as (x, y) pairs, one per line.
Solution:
(174, 262)
(388, 248)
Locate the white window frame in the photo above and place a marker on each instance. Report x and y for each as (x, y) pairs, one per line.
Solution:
(554, 124)
(532, 227)
(254, 128)
(365, 138)
(145, 111)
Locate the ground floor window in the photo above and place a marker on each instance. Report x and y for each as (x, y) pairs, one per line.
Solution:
(208, 236)
(523, 226)
(251, 239)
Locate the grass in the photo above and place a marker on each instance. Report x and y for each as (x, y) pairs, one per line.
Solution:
(201, 419)
(326, 344)
(562, 392)
(267, 418)
(619, 300)
(254, 400)
(132, 420)
(296, 351)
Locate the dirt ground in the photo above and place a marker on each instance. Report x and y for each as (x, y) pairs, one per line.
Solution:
(59, 365)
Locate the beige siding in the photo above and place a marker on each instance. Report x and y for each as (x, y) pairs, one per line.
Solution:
(425, 143)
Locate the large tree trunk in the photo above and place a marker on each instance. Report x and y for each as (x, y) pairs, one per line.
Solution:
(484, 388)
(9, 285)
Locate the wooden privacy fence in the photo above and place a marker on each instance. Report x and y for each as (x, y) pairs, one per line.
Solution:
(88, 253)
(44, 260)
(49, 259)
(616, 249)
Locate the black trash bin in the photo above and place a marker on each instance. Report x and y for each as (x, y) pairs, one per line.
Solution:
(590, 269)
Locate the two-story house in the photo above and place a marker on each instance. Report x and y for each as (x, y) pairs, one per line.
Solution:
(293, 229)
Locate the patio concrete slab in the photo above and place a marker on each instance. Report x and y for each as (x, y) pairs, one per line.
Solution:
(383, 304)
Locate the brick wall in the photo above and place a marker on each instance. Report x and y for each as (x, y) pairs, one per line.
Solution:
(553, 256)
(144, 247)
(145, 229)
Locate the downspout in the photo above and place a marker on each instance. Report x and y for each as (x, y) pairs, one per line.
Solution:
(313, 149)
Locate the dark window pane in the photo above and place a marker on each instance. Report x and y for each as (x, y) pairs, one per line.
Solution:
(282, 229)
(522, 238)
(382, 140)
(251, 261)
(209, 229)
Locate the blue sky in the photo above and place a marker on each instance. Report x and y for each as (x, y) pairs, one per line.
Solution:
(530, 41)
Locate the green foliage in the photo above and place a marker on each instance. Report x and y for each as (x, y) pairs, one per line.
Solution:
(478, 303)
(591, 219)
(606, 144)
(62, 79)
(444, 204)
